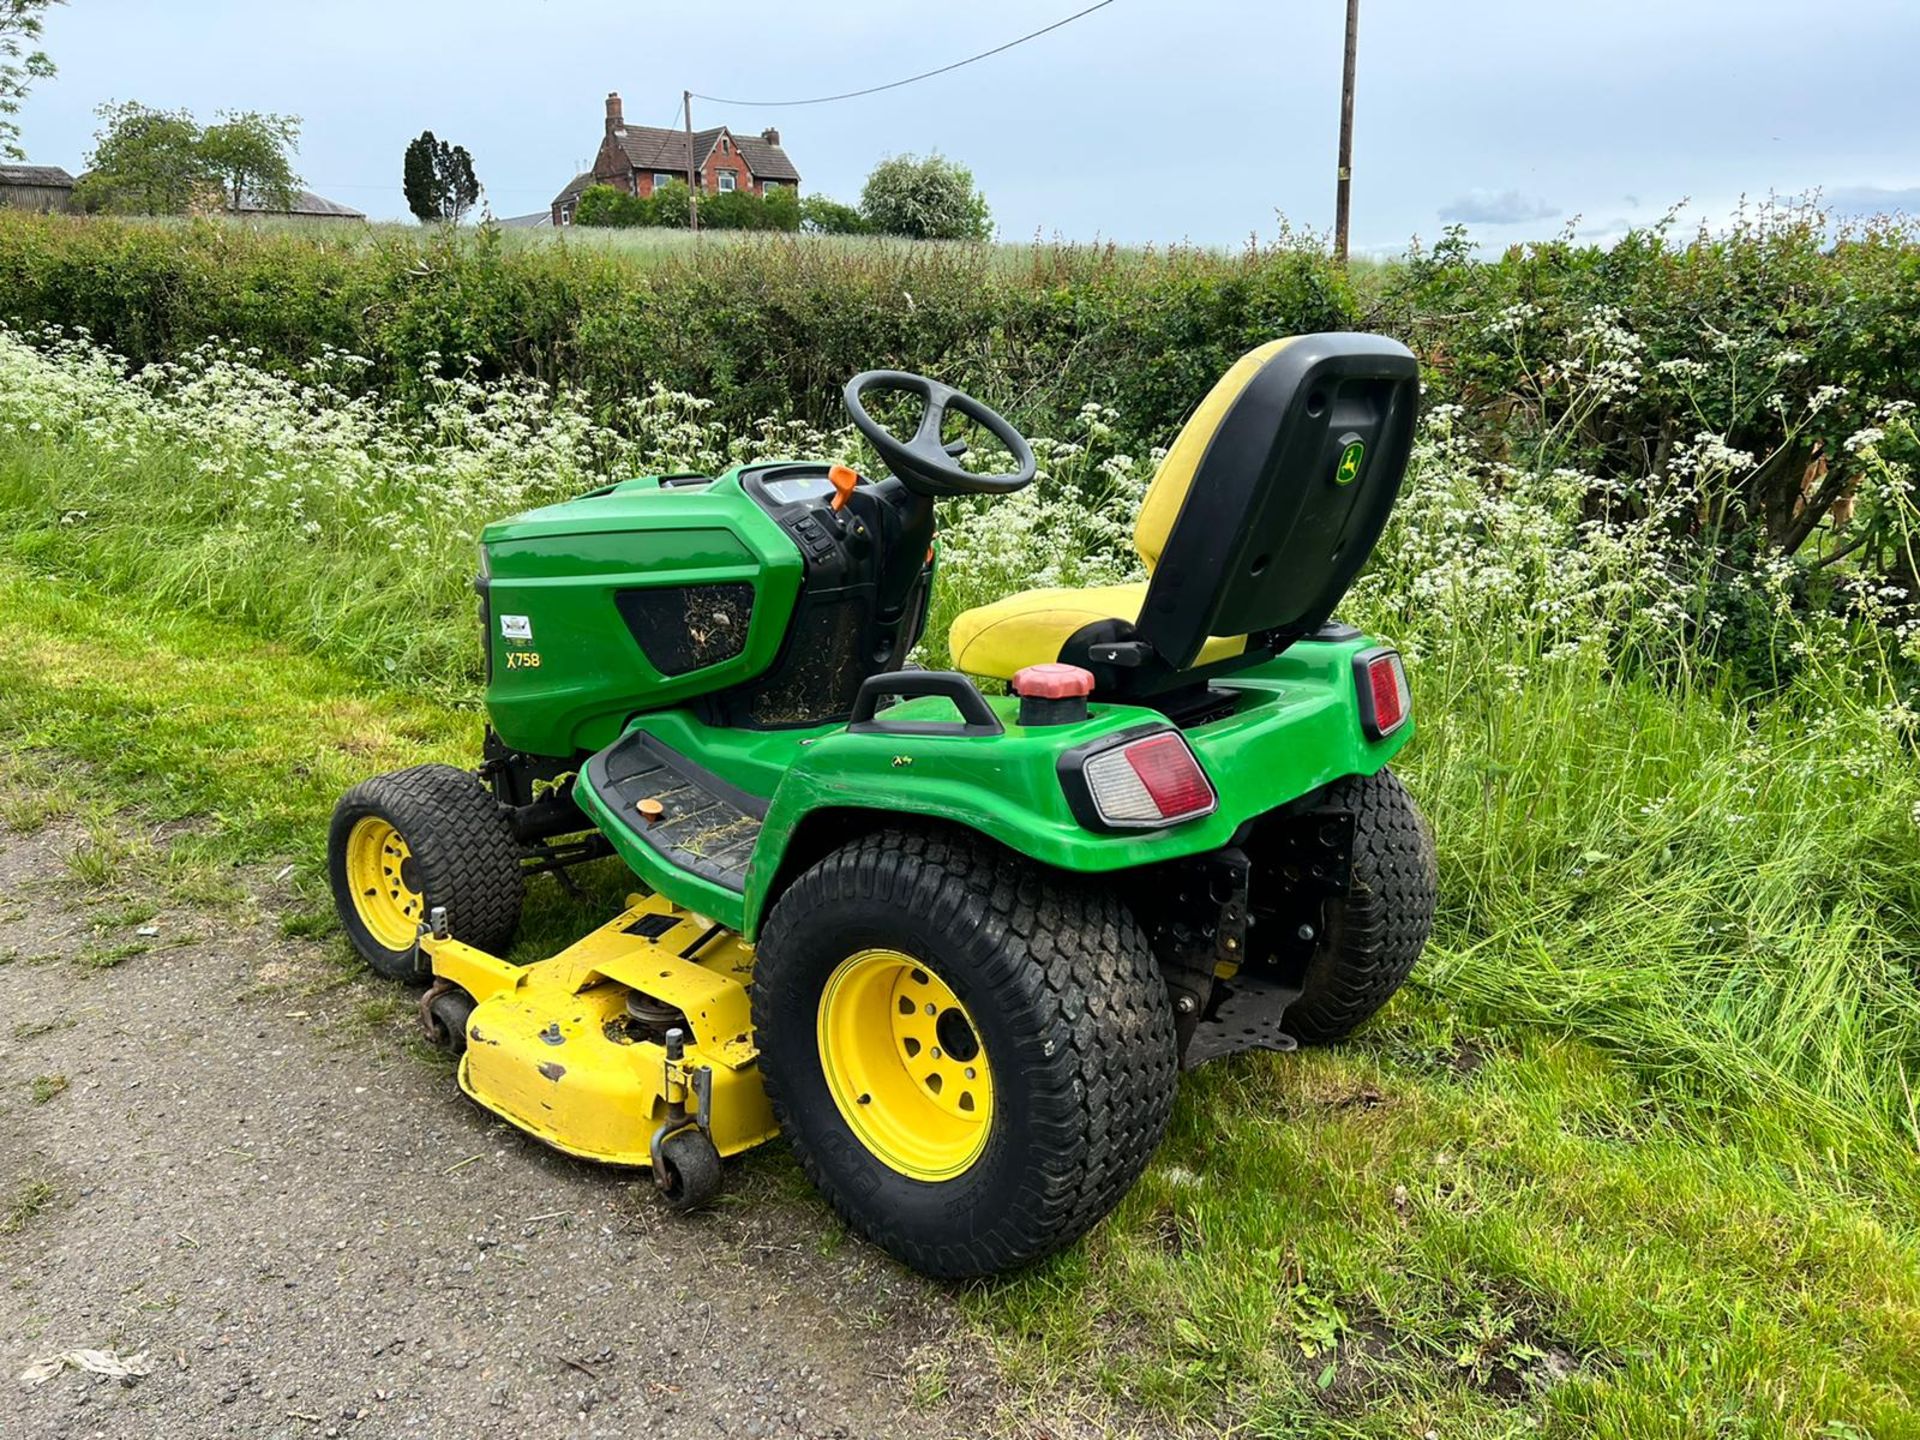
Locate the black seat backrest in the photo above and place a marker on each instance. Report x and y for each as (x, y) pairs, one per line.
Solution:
(1291, 495)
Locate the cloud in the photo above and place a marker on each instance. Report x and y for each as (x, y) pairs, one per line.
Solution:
(1505, 207)
(1866, 201)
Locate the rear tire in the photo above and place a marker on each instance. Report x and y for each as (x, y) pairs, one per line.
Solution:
(1376, 933)
(406, 843)
(1043, 985)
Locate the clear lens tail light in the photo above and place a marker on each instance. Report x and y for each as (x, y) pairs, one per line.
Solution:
(1147, 783)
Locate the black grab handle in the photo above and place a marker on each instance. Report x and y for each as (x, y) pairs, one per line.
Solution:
(976, 716)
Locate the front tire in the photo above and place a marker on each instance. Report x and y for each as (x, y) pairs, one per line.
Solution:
(1375, 934)
(406, 843)
(973, 1059)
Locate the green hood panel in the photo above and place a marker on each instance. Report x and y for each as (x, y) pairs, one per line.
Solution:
(565, 669)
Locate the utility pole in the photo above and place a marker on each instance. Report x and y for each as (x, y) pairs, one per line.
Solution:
(693, 190)
(1343, 185)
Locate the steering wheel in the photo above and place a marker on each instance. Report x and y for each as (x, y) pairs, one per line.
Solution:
(923, 464)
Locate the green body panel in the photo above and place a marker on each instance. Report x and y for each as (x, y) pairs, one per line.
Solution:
(567, 676)
(1296, 729)
(577, 676)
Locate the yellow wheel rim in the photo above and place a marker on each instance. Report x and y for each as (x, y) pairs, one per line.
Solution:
(380, 875)
(905, 1065)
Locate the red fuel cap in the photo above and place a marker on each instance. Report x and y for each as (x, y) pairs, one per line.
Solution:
(1052, 681)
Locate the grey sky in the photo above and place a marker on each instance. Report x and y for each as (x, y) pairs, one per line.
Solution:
(1151, 120)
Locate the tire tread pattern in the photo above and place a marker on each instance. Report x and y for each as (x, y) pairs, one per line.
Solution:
(462, 842)
(1375, 935)
(1067, 959)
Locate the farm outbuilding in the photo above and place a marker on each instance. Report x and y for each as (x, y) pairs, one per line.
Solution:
(305, 206)
(35, 187)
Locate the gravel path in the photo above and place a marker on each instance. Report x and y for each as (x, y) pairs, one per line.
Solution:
(310, 1232)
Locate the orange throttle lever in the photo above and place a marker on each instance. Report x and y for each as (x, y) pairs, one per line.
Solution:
(843, 478)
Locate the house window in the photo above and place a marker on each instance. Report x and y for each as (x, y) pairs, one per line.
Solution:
(771, 185)
(661, 177)
(726, 181)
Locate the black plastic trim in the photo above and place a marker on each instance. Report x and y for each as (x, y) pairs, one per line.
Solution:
(677, 778)
(483, 587)
(977, 717)
(657, 618)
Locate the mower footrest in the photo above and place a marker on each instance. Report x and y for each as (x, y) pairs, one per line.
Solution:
(687, 815)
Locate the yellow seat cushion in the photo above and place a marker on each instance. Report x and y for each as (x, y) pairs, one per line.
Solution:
(1029, 628)
(1171, 482)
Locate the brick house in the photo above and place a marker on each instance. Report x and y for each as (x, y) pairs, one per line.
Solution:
(635, 158)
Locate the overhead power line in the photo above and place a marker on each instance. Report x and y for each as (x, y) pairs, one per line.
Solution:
(923, 75)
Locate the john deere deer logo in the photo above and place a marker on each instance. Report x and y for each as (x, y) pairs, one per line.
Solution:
(1350, 459)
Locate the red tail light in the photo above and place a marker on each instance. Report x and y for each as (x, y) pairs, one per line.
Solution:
(1385, 701)
(1143, 784)
(1172, 776)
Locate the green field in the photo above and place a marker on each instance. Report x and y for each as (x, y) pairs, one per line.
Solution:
(1634, 1156)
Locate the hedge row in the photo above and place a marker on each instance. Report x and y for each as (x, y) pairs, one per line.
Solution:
(1780, 336)
(763, 326)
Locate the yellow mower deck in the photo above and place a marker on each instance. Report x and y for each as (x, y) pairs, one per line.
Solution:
(553, 1046)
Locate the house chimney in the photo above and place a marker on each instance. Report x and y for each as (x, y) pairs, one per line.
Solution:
(770, 135)
(615, 119)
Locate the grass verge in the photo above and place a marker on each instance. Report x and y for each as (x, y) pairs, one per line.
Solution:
(1457, 1225)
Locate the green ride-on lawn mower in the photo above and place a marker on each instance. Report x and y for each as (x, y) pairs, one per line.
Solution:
(957, 947)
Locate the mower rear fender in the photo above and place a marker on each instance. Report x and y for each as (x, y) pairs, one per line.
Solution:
(1296, 728)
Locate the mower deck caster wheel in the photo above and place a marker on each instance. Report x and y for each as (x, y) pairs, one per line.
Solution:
(689, 1170)
(445, 1017)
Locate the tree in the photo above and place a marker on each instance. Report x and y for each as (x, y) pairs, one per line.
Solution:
(417, 179)
(744, 210)
(144, 161)
(822, 216)
(438, 179)
(780, 208)
(249, 150)
(20, 24)
(930, 199)
(668, 206)
(604, 207)
(160, 162)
